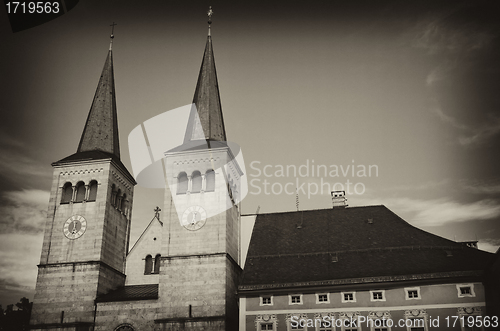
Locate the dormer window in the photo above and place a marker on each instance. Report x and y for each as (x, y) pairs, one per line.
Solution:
(465, 290)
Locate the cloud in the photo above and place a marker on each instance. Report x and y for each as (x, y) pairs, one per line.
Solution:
(24, 211)
(480, 135)
(16, 164)
(472, 134)
(19, 257)
(482, 188)
(446, 32)
(440, 212)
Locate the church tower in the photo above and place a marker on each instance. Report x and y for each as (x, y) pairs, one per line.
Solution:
(88, 223)
(201, 233)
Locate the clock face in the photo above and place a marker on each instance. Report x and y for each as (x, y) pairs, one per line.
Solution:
(74, 227)
(194, 218)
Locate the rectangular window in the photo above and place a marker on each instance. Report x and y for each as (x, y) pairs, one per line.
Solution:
(348, 296)
(378, 295)
(295, 299)
(417, 324)
(266, 326)
(326, 326)
(465, 290)
(350, 326)
(266, 301)
(412, 293)
(322, 298)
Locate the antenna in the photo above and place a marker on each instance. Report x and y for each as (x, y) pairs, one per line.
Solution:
(297, 199)
(257, 211)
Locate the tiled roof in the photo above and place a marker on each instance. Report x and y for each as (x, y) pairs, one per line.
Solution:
(131, 293)
(358, 242)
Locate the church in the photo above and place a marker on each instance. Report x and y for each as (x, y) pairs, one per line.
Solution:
(341, 268)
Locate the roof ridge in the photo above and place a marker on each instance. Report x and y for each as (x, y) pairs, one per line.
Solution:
(309, 210)
(362, 250)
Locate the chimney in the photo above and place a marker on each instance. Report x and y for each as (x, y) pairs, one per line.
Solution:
(338, 199)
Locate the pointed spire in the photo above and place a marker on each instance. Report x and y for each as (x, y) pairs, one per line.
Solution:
(209, 124)
(101, 129)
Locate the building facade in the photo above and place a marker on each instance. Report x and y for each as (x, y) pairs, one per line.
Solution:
(360, 268)
(185, 270)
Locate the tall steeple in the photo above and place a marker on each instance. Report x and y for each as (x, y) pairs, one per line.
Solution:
(101, 129)
(210, 125)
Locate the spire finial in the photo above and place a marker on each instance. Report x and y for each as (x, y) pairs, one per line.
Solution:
(210, 12)
(112, 35)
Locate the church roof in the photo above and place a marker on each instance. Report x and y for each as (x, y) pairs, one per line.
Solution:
(210, 125)
(348, 246)
(151, 223)
(101, 129)
(131, 293)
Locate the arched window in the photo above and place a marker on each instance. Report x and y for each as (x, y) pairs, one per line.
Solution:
(182, 183)
(210, 180)
(118, 201)
(124, 327)
(67, 193)
(123, 203)
(113, 195)
(148, 269)
(157, 263)
(196, 180)
(80, 192)
(93, 190)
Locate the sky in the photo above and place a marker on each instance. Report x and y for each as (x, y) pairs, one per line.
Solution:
(406, 89)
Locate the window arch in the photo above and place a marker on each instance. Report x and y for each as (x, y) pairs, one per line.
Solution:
(148, 268)
(92, 190)
(118, 201)
(80, 192)
(113, 195)
(210, 180)
(124, 327)
(182, 183)
(196, 182)
(157, 264)
(123, 204)
(67, 193)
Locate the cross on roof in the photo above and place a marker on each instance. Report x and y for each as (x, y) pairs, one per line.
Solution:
(157, 212)
(113, 29)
